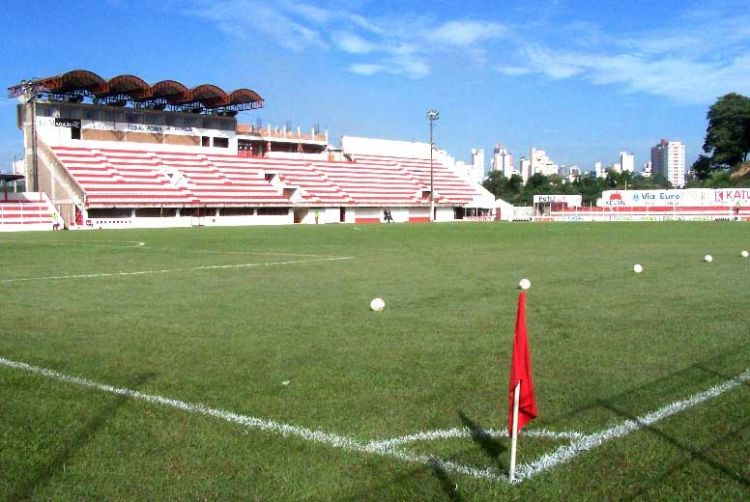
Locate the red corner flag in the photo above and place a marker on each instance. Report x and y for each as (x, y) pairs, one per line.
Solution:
(520, 371)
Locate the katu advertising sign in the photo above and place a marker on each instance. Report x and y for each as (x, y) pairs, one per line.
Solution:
(732, 196)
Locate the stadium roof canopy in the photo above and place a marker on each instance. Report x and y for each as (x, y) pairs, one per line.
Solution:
(77, 85)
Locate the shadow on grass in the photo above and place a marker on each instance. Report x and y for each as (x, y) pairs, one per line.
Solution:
(399, 486)
(447, 484)
(493, 447)
(674, 380)
(701, 453)
(45, 472)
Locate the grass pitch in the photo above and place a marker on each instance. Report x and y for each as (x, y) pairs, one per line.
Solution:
(273, 323)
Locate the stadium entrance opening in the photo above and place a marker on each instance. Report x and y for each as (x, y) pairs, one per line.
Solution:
(299, 214)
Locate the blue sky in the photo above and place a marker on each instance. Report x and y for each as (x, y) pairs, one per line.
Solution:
(583, 80)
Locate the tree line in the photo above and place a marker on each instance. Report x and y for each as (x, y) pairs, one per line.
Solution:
(514, 190)
(724, 164)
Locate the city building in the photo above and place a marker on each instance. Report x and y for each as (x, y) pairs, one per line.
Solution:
(646, 169)
(525, 168)
(599, 171)
(475, 170)
(477, 161)
(668, 160)
(627, 162)
(541, 163)
(574, 173)
(502, 160)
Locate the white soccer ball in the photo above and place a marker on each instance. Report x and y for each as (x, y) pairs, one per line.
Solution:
(377, 304)
(524, 284)
(637, 268)
(745, 254)
(708, 258)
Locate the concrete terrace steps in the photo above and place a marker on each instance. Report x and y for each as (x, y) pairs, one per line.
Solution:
(131, 177)
(24, 213)
(138, 178)
(449, 186)
(314, 186)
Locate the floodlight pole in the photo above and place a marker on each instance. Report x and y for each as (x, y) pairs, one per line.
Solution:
(432, 116)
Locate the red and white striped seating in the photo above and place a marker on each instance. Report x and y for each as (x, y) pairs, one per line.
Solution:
(132, 178)
(119, 177)
(314, 186)
(450, 187)
(137, 177)
(26, 213)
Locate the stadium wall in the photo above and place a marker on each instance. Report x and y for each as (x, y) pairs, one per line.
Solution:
(308, 216)
(693, 204)
(179, 221)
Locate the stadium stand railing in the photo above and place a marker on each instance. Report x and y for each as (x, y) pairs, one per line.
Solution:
(27, 211)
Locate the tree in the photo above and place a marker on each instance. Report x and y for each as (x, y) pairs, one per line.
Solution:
(515, 183)
(659, 181)
(728, 132)
(495, 182)
(719, 179)
(702, 168)
(640, 182)
(502, 187)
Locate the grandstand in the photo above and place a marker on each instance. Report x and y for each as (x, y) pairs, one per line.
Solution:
(122, 153)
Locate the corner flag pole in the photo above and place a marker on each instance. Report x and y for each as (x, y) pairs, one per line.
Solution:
(521, 401)
(514, 436)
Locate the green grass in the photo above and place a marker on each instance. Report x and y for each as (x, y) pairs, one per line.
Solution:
(606, 344)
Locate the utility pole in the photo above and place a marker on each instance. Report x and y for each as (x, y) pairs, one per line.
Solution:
(432, 116)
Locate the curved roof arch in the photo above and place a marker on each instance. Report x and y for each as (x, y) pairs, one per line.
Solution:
(209, 95)
(170, 90)
(129, 85)
(244, 96)
(76, 80)
(126, 88)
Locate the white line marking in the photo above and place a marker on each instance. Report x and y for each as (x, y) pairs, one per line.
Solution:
(591, 441)
(212, 251)
(285, 430)
(386, 449)
(130, 244)
(172, 270)
(465, 432)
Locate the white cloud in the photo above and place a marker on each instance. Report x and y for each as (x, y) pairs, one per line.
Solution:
(407, 65)
(366, 68)
(353, 44)
(244, 19)
(412, 66)
(466, 34)
(692, 63)
(311, 12)
(680, 78)
(554, 64)
(513, 71)
(400, 45)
